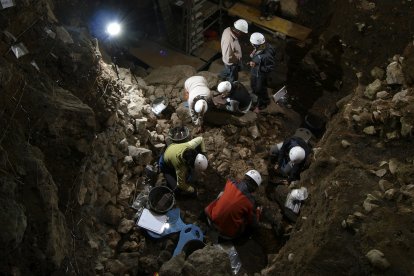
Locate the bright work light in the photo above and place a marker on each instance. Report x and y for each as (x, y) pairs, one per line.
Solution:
(113, 29)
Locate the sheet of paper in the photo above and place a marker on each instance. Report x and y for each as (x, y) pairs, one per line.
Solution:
(7, 3)
(280, 94)
(157, 109)
(152, 222)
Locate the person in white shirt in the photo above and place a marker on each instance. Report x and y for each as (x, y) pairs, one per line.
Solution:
(198, 94)
(231, 50)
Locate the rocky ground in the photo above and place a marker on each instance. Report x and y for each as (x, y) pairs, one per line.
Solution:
(76, 137)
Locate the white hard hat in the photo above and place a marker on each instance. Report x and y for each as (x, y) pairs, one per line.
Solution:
(255, 175)
(200, 162)
(224, 86)
(257, 39)
(296, 154)
(241, 25)
(200, 106)
(299, 194)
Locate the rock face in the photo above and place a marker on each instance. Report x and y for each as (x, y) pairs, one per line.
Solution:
(355, 202)
(210, 260)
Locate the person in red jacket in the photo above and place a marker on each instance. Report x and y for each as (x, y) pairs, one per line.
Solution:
(235, 208)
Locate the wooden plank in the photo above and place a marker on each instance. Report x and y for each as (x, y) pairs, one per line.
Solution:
(253, 2)
(276, 24)
(156, 55)
(208, 50)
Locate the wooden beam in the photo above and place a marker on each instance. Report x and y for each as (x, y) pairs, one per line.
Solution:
(277, 24)
(156, 55)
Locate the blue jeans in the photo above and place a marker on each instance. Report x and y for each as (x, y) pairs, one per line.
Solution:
(259, 87)
(230, 72)
(170, 174)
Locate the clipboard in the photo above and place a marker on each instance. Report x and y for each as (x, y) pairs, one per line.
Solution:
(152, 222)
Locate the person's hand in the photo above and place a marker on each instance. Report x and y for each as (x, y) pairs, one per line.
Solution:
(200, 129)
(284, 182)
(252, 64)
(276, 167)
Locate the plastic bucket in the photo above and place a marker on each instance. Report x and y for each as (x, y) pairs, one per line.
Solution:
(161, 199)
(179, 134)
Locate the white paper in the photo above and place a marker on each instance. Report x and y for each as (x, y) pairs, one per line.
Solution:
(19, 50)
(7, 3)
(295, 198)
(280, 94)
(157, 109)
(35, 65)
(152, 222)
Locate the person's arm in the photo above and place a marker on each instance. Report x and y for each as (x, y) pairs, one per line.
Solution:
(194, 117)
(198, 141)
(295, 172)
(253, 215)
(283, 151)
(268, 64)
(181, 172)
(233, 106)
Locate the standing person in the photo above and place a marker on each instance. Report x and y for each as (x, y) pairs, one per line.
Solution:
(291, 157)
(237, 97)
(262, 63)
(180, 160)
(231, 50)
(268, 8)
(198, 94)
(235, 208)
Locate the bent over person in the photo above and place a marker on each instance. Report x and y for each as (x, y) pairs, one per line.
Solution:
(179, 162)
(198, 94)
(237, 97)
(235, 209)
(291, 157)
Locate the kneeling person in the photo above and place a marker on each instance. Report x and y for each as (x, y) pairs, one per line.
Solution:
(235, 208)
(291, 157)
(237, 97)
(178, 162)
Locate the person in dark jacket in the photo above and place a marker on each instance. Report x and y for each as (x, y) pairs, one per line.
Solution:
(235, 208)
(262, 63)
(291, 157)
(237, 97)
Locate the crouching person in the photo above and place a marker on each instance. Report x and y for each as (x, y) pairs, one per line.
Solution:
(198, 94)
(235, 208)
(237, 97)
(180, 161)
(290, 157)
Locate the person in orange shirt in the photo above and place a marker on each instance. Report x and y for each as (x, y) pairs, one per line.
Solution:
(235, 208)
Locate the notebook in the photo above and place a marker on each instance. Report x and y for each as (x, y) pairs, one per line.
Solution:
(152, 222)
